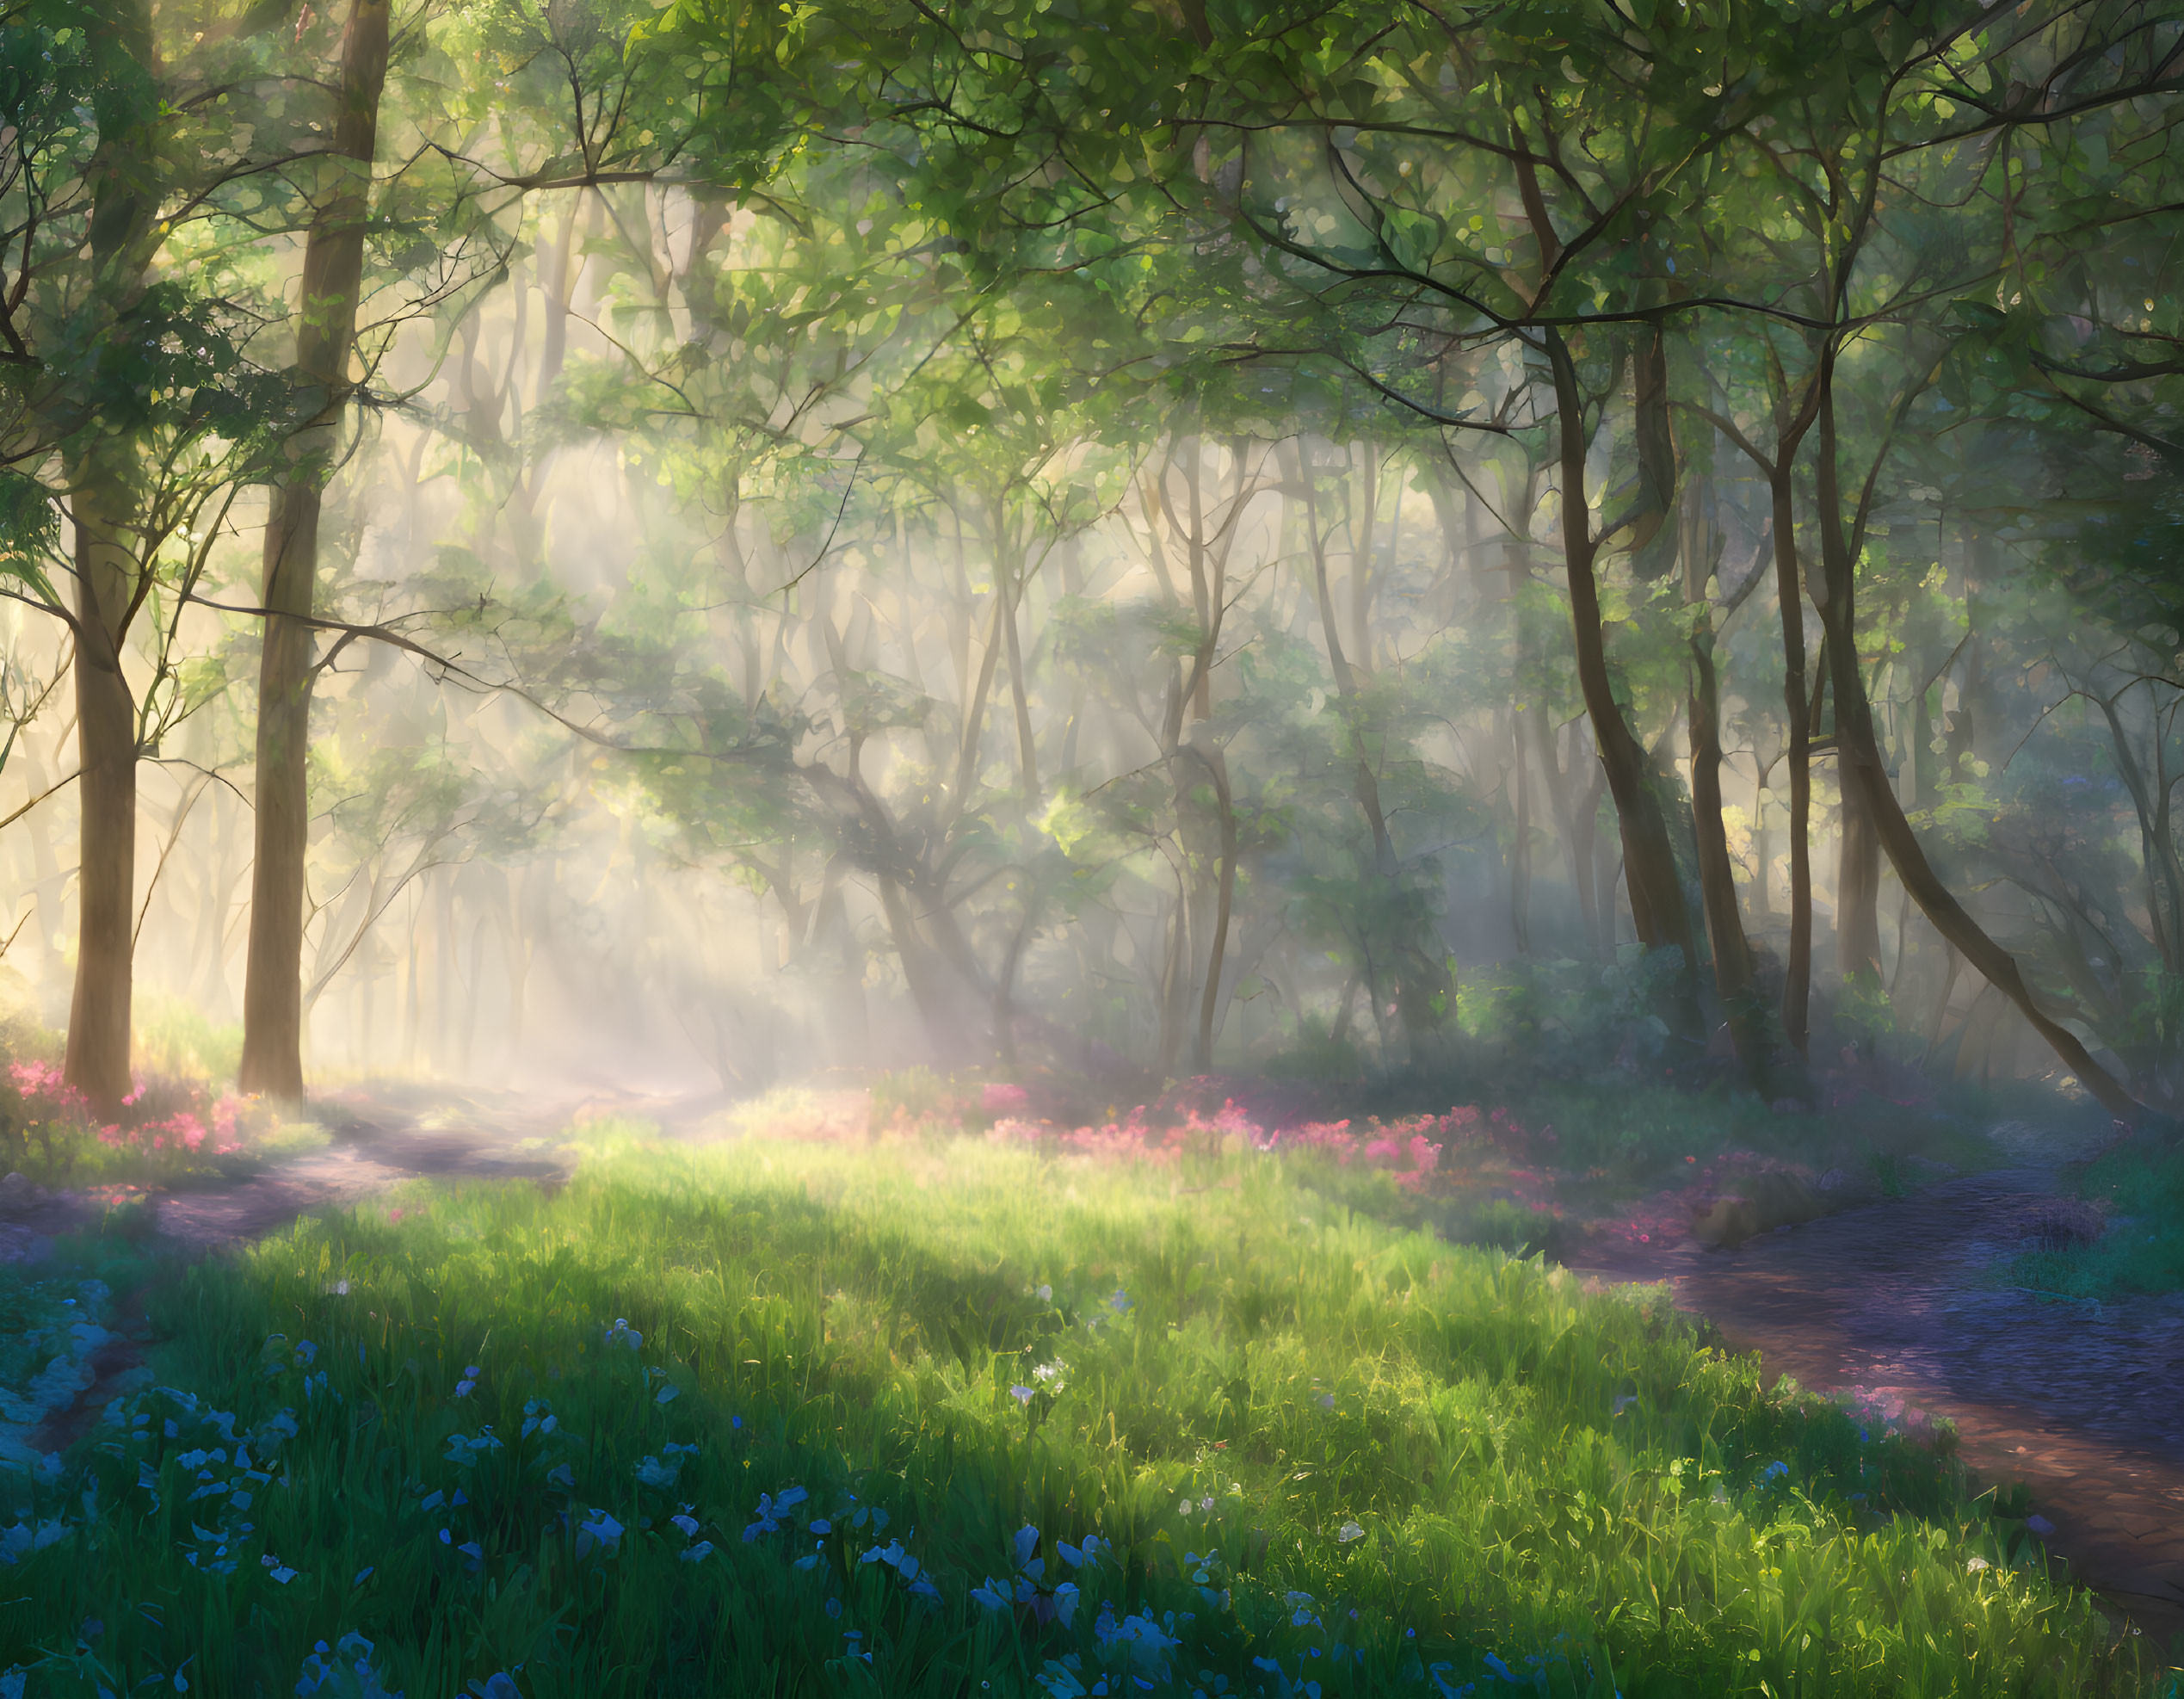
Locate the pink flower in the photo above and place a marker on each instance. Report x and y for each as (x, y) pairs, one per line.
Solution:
(1003, 1099)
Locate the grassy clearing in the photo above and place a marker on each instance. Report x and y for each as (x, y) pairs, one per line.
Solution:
(775, 1417)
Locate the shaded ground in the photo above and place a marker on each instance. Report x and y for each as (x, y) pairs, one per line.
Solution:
(2083, 1402)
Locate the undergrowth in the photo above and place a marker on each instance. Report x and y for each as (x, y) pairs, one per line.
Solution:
(2142, 1188)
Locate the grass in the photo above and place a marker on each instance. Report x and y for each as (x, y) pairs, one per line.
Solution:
(768, 1418)
(2141, 1250)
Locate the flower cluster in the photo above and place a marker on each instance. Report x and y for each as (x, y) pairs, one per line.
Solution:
(1410, 1149)
(164, 1122)
(219, 1481)
(1406, 1149)
(346, 1669)
(1026, 1590)
(1888, 1412)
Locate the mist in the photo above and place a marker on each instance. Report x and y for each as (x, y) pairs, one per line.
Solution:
(1258, 848)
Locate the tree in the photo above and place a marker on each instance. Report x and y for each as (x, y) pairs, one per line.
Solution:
(333, 273)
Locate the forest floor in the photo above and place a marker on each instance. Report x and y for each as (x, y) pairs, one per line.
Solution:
(1895, 1299)
(2081, 1401)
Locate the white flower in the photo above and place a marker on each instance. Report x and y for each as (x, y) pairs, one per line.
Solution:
(1347, 1532)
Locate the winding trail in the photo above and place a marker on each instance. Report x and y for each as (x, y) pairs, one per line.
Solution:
(2083, 1402)
(383, 1134)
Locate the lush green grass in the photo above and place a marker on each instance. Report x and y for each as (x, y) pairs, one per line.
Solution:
(2142, 1251)
(1330, 1458)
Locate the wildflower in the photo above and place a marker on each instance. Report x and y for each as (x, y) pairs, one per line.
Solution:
(1021, 1394)
(662, 1471)
(1976, 1565)
(1077, 1556)
(699, 1553)
(621, 1333)
(772, 1510)
(1501, 1671)
(499, 1685)
(599, 1529)
(1347, 1532)
(1120, 1302)
(1327, 1400)
(463, 1451)
(1049, 1371)
(468, 1384)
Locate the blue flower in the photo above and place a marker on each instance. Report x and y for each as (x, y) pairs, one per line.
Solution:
(772, 1508)
(1021, 1394)
(599, 1529)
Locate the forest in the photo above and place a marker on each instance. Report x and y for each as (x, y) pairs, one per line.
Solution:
(1238, 847)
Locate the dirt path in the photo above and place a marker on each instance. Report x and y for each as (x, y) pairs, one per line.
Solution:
(2083, 1402)
(382, 1135)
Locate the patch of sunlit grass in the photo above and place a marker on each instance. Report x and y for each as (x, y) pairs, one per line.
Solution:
(906, 1418)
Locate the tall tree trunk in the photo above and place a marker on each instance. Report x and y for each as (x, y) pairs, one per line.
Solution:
(1858, 890)
(272, 1009)
(97, 1060)
(1716, 872)
(1657, 906)
(1859, 760)
(112, 573)
(1797, 706)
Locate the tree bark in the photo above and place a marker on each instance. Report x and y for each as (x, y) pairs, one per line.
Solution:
(1797, 705)
(1716, 872)
(1857, 891)
(1209, 1002)
(1858, 761)
(98, 1059)
(1657, 906)
(273, 1003)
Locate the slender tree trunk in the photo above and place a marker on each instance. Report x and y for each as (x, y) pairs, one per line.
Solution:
(1520, 850)
(1577, 862)
(98, 1061)
(273, 1009)
(1858, 761)
(1658, 907)
(1209, 1002)
(1797, 702)
(1716, 872)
